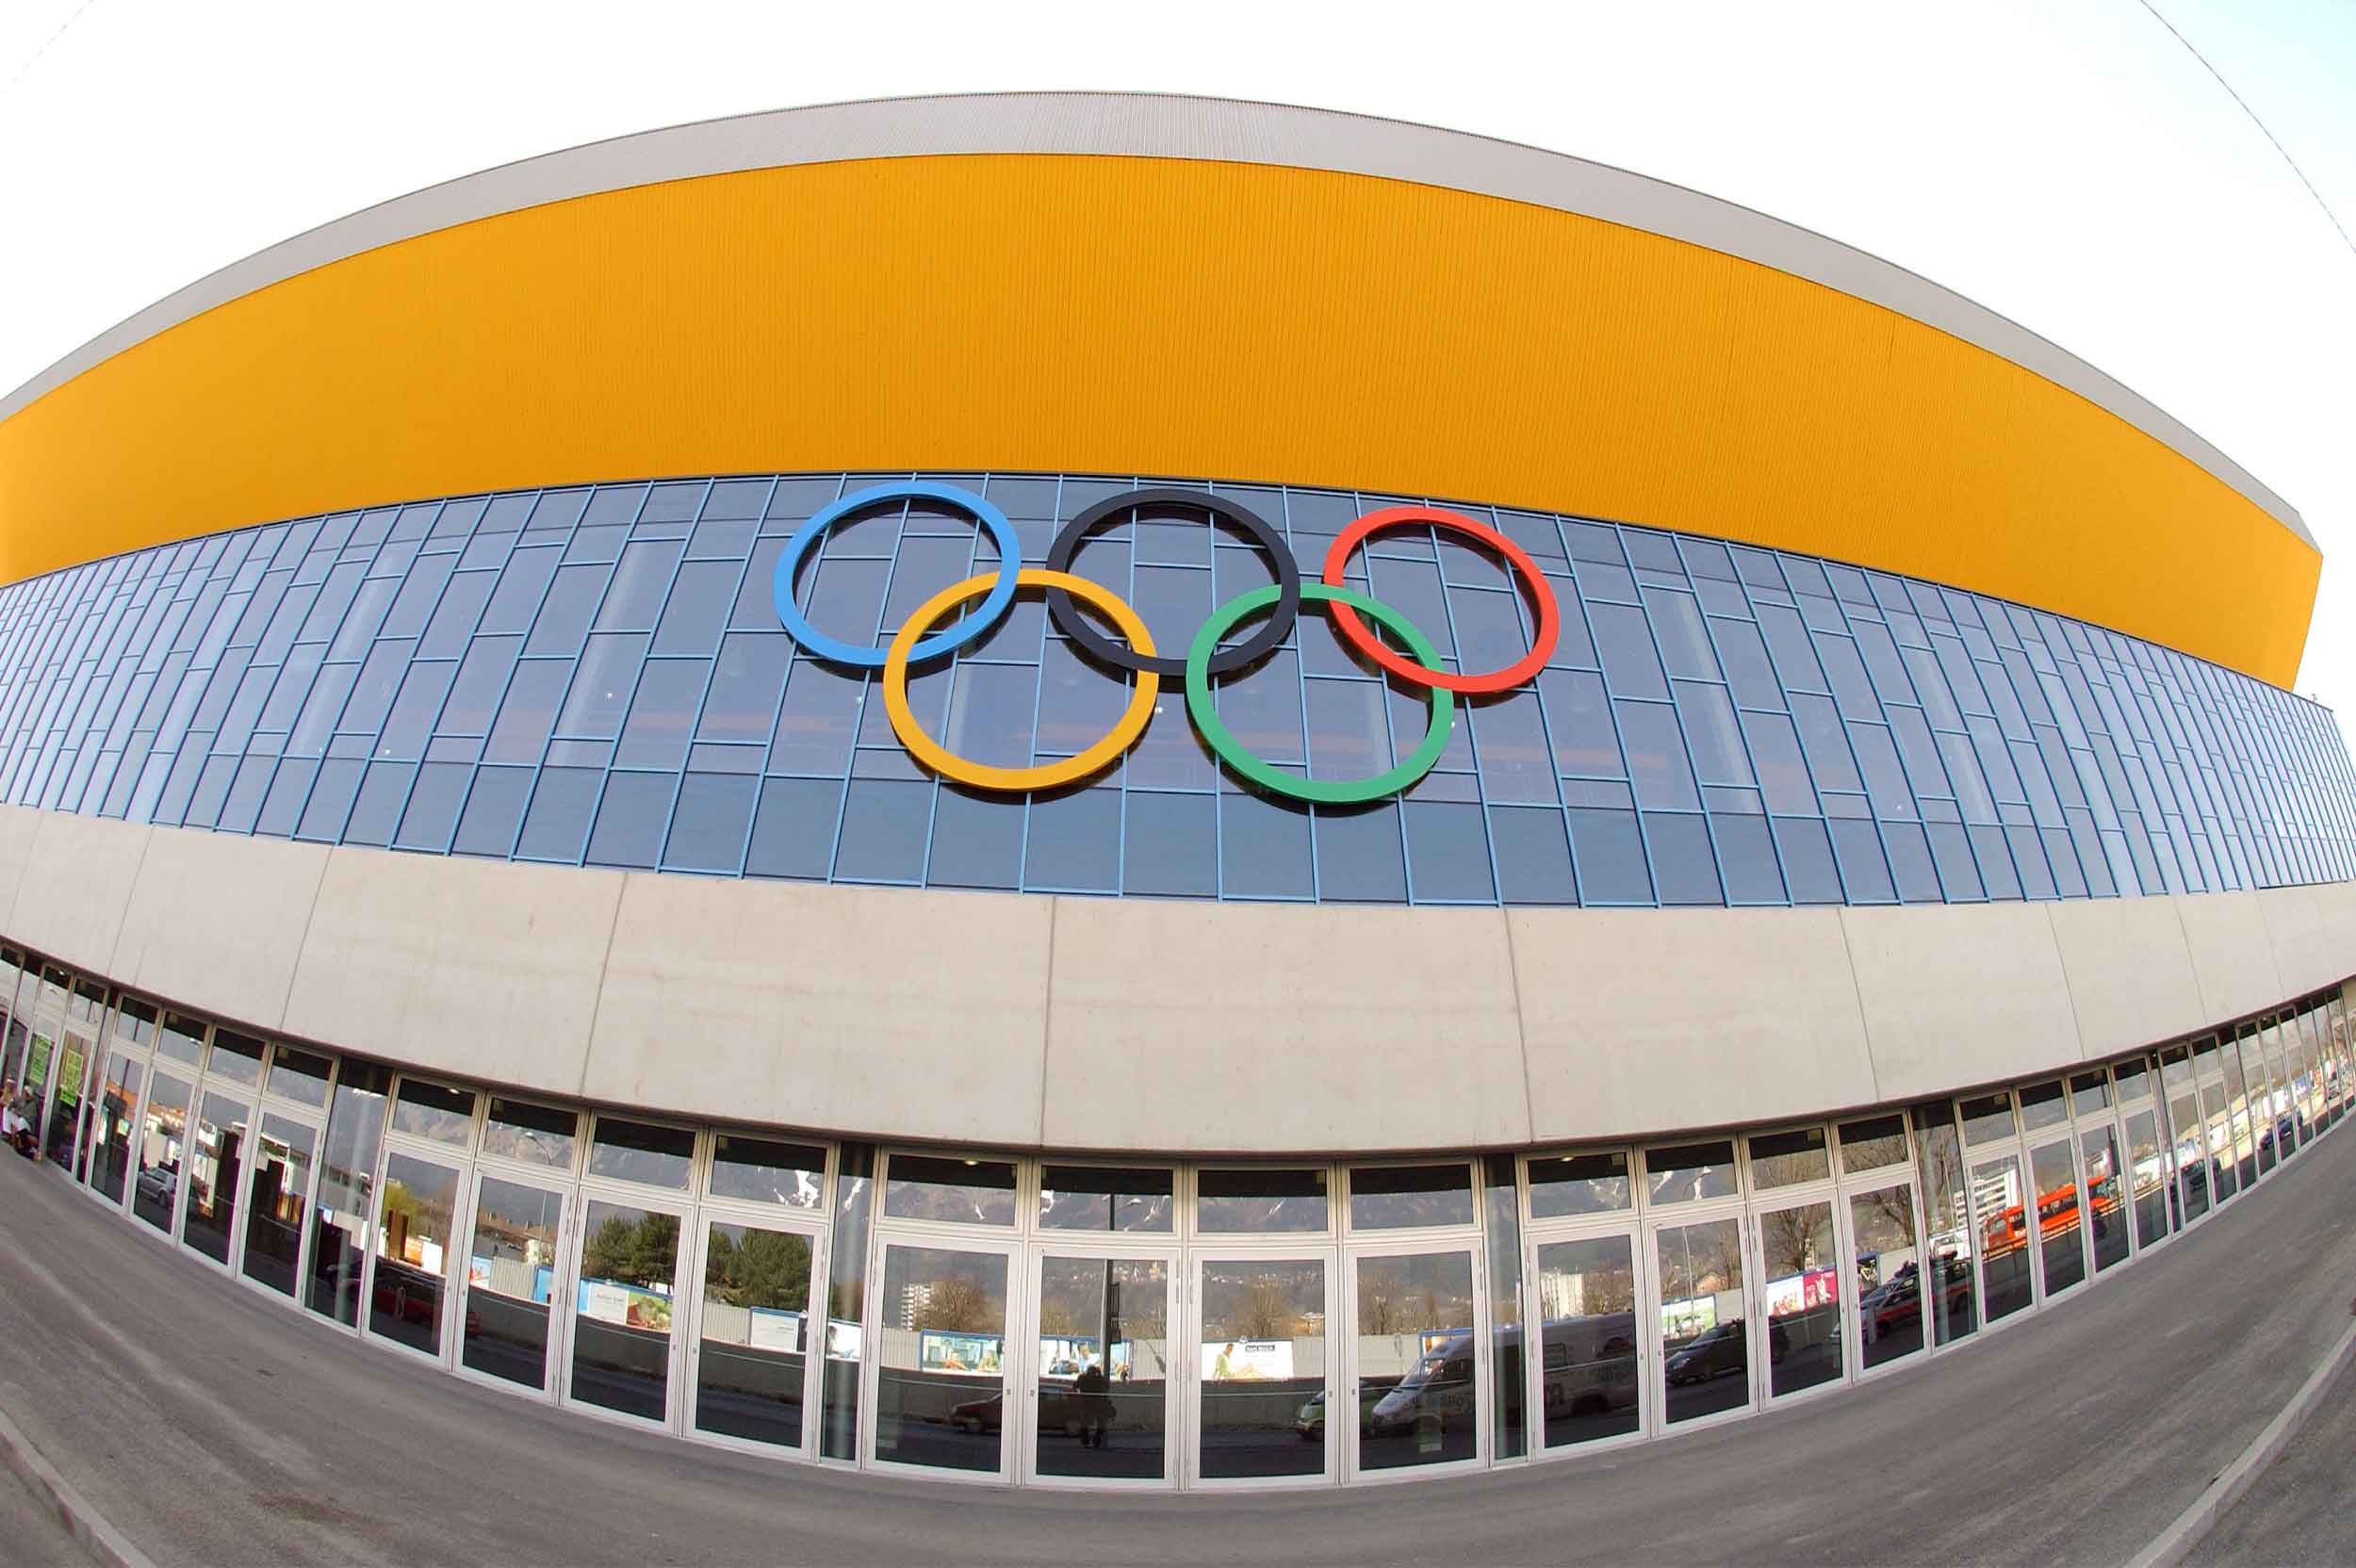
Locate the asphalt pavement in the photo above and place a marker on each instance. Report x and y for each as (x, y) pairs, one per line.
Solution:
(211, 1425)
(2300, 1510)
(30, 1535)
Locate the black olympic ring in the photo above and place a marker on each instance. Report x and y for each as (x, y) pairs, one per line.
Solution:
(1075, 625)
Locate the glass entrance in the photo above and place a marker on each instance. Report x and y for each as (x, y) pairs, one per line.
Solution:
(2106, 1197)
(1262, 1394)
(111, 1139)
(752, 1341)
(627, 1280)
(1588, 1382)
(1414, 1364)
(1101, 1385)
(409, 1272)
(505, 1331)
(274, 1209)
(1997, 1198)
(1890, 1275)
(939, 1370)
(2058, 1227)
(1705, 1332)
(161, 1134)
(1800, 1287)
(216, 1164)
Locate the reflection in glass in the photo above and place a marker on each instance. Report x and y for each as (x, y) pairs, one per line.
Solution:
(510, 1281)
(282, 1185)
(1263, 1400)
(2059, 1222)
(1684, 1173)
(642, 1151)
(213, 1167)
(1997, 1195)
(2191, 1151)
(2089, 1094)
(1104, 1368)
(1987, 1118)
(2148, 1180)
(1234, 1202)
(1889, 1275)
(347, 1178)
(412, 1230)
(621, 1322)
(965, 1192)
(110, 1153)
(532, 1134)
(1105, 1198)
(1587, 1308)
(1705, 1348)
(1780, 1159)
(846, 1301)
(940, 1377)
(300, 1076)
(161, 1132)
(182, 1038)
(1802, 1294)
(760, 1170)
(1418, 1400)
(1400, 1197)
(237, 1058)
(2225, 1100)
(1579, 1183)
(1947, 1222)
(754, 1334)
(1872, 1143)
(2106, 1207)
(1508, 1387)
(431, 1111)
(2042, 1106)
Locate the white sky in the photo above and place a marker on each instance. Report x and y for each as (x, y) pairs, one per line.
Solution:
(2067, 163)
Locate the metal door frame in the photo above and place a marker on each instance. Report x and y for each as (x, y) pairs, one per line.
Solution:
(810, 1224)
(1126, 1245)
(679, 1204)
(1645, 1303)
(1656, 1336)
(1005, 1242)
(1427, 1242)
(1799, 1196)
(1292, 1246)
(563, 1186)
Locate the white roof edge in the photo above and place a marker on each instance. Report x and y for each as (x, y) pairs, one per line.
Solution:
(1163, 125)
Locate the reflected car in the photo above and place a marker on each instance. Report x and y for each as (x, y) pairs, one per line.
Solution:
(980, 1416)
(1723, 1350)
(1439, 1391)
(1309, 1421)
(157, 1185)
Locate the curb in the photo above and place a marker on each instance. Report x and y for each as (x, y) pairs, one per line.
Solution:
(88, 1526)
(2174, 1543)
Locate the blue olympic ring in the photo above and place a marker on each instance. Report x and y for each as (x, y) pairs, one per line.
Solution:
(948, 640)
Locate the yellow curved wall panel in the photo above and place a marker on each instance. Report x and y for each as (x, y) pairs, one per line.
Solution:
(1149, 316)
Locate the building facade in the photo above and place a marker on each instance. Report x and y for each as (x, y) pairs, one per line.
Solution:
(1141, 793)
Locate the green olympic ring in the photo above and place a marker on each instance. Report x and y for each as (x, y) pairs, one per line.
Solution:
(1321, 792)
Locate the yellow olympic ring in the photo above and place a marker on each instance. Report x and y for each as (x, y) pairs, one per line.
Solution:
(1047, 775)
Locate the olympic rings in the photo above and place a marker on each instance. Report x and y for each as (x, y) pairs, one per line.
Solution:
(1047, 775)
(1354, 632)
(1347, 792)
(1263, 642)
(1001, 591)
(1280, 602)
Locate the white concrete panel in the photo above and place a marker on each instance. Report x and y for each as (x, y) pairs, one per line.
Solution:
(1658, 1020)
(2232, 953)
(2131, 977)
(1960, 994)
(2306, 927)
(217, 922)
(76, 883)
(18, 825)
(878, 1010)
(1240, 1028)
(465, 966)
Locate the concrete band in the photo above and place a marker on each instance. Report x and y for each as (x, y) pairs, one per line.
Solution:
(1154, 125)
(1027, 1022)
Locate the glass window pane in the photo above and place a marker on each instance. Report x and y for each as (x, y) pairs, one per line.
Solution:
(119, 1097)
(216, 1160)
(1105, 1198)
(2107, 1198)
(969, 1192)
(754, 1334)
(1104, 1368)
(939, 1391)
(1233, 1202)
(1263, 1391)
(300, 1075)
(1997, 1195)
(346, 1184)
(622, 1327)
(237, 1058)
(1802, 1294)
(1889, 1275)
(431, 1111)
(1779, 1159)
(1947, 1222)
(1587, 1299)
(1385, 1198)
(1413, 1318)
(1577, 1184)
(274, 1213)
(1688, 1172)
(642, 1151)
(1704, 1332)
(1987, 1118)
(511, 1273)
(1874, 1142)
(413, 1234)
(162, 1142)
(537, 1134)
(2058, 1221)
(760, 1171)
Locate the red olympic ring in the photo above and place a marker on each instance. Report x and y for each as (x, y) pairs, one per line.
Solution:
(1354, 631)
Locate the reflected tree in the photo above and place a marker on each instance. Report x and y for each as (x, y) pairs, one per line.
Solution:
(643, 1251)
(764, 1268)
(958, 1306)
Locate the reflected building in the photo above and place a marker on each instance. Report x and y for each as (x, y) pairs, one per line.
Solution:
(993, 787)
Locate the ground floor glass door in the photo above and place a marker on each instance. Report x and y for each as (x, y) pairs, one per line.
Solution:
(939, 1370)
(621, 1345)
(216, 1170)
(1801, 1292)
(1590, 1349)
(1415, 1361)
(1705, 1332)
(1263, 1393)
(1103, 1380)
(159, 1139)
(110, 1152)
(1999, 1198)
(278, 1200)
(753, 1340)
(1891, 1276)
(509, 1325)
(2057, 1222)
(409, 1272)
